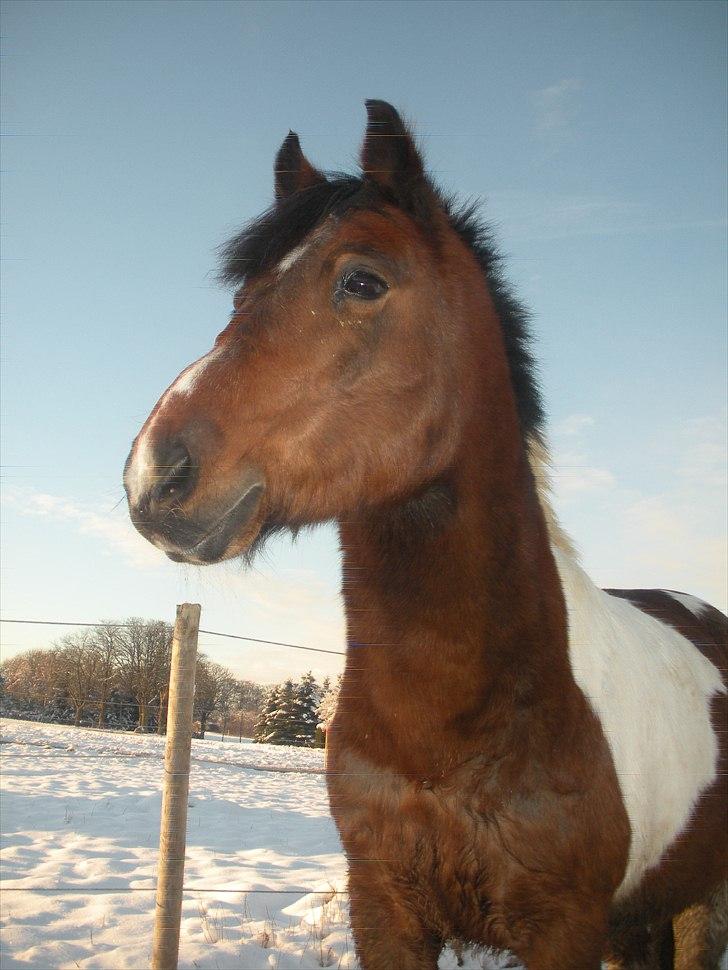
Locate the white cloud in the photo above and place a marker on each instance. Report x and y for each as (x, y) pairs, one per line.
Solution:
(573, 471)
(545, 216)
(573, 424)
(556, 105)
(273, 602)
(571, 478)
(113, 529)
(290, 605)
(296, 599)
(705, 445)
(672, 535)
(672, 539)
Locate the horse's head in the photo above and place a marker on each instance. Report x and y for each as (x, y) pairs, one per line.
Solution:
(339, 381)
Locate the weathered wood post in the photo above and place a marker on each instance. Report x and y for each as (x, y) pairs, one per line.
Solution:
(173, 829)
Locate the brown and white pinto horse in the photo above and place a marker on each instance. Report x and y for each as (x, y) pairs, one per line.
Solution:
(520, 760)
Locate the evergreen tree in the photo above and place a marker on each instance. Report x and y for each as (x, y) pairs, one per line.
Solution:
(281, 722)
(307, 695)
(267, 709)
(289, 713)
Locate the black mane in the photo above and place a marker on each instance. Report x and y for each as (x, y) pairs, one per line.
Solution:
(514, 316)
(267, 239)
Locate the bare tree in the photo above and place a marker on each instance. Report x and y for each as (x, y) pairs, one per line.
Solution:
(212, 685)
(144, 651)
(80, 665)
(16, 674)
(163, 705)
(226, 697)
(48, 675)
(105, 642)
(31, 677)
(249, 698)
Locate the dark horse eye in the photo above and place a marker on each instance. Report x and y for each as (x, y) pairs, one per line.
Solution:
(362, 285)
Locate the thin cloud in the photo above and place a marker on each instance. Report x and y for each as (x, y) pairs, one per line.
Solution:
(705, 458)
(543, 217)
(676, 543)
(117, 534)
(570, 477)
(574, 424)
(572, 470)
(546, 216)
(557, 105)
(670, 537)
(285, 600)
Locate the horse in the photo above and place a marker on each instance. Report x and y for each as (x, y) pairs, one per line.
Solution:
(520, 760)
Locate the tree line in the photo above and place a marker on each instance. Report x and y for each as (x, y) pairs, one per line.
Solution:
(117, 675)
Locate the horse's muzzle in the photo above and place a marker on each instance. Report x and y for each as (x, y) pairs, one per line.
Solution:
(188, 521)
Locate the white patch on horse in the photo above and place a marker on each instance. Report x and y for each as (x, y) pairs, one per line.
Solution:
(651, 690)
(290, 258)
(697, 607)
(190, 376)
(141, 470)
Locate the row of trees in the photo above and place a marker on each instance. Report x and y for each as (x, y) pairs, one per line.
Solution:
(117, 675)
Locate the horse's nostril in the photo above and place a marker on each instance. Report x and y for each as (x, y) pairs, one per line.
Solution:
(175, 476)
(178, 479)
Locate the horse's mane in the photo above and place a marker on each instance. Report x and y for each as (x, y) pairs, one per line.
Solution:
(266, 240)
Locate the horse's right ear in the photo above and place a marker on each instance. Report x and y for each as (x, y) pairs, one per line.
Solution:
(293, 170)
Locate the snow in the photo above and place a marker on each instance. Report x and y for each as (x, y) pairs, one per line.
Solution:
(265, 873)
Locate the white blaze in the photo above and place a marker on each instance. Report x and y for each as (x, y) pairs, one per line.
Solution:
(190, 376)
(290, 258)
(143, 471)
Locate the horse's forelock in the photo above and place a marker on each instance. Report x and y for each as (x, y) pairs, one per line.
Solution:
(265, 241)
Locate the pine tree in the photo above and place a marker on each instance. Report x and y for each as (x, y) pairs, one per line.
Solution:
(268, 708)
(307, 700)
(281, 722)
(289, 714)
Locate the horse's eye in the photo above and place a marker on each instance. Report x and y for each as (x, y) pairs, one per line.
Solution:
(363, 285)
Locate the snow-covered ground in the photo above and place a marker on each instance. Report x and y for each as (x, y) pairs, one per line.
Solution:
(265, 873)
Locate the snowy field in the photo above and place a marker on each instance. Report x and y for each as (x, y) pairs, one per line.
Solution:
(80, 829)
(265, 874)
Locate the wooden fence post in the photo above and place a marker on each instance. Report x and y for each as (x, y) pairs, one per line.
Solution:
(173, 829)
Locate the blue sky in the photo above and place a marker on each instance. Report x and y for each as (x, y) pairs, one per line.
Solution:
(137, 136)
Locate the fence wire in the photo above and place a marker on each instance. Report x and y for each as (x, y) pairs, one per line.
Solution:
(111, 890)
(209, 633)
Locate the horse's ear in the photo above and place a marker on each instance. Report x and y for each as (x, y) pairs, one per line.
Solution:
(293, 170)
(389, 155)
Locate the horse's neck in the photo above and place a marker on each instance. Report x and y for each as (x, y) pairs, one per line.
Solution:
(453, 628)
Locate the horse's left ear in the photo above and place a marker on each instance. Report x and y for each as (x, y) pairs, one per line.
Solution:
(293, 170)
(389, 155)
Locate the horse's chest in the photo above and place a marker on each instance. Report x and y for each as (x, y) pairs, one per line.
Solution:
(438, 843)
